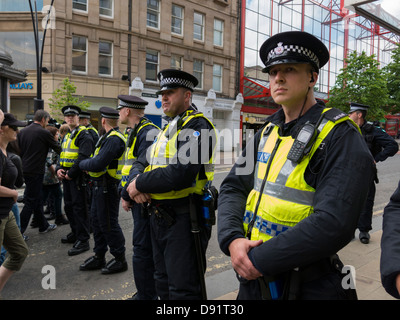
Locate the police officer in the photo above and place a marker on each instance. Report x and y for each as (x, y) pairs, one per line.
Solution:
(84, 120)
(105, 170)
(131, 112)
(381, 146)
(291, 201)
(77, 145)
(179, 166)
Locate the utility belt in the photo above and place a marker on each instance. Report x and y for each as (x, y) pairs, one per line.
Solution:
(288, 285)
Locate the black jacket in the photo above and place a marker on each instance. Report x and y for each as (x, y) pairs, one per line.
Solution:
(341, 171)
(34, 142)
(390, 244)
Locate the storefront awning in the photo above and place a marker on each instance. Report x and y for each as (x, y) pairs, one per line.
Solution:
(255, 89)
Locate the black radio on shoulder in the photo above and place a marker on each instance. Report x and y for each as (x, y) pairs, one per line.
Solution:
(302, 144)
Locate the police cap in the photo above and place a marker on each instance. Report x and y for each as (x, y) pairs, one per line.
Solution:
(357, 107)
(109, 113)
(128, 101)
(172, 78)
(71, 110)
(84, 114)
(293, 47)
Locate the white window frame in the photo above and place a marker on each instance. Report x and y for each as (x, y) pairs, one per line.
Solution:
(110, 56)
(202, 26)
(199, 72)
(78, 50)
(79, 3)
(176, 57)
(112, 10)
(153, 52)
(217, 77)
(156, 13)
(218, 32)
(181, 19)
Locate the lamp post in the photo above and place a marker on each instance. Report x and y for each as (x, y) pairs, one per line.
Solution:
(38, 101)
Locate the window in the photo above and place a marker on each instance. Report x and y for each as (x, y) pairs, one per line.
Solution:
(19, 6)
(198, 26)
(107, 8)
(176, 62)
(153, 13)
(79, 5)
(217, 78)
(151, 65)
(218, 32)
(79, 54)
(198, 71)
(105, 58)
(177, 19)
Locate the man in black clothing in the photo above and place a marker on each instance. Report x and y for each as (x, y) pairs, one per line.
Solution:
(381, 146)
(34, 142)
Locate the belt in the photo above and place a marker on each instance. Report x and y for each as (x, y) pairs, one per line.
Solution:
(100, 183)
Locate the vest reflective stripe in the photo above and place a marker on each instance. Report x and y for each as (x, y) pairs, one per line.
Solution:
(69, 150)
(163, 152)
(90, 127)
(286, 198)
(129, 157)
(114, 169)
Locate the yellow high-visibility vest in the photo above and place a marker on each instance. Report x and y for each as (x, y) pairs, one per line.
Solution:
(69, 150)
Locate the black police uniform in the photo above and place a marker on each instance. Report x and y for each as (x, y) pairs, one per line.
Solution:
(174, 251)
(92, 130)
(340, 171)
(75, 204)
(390, 244)
(107, 232)
(142, 259)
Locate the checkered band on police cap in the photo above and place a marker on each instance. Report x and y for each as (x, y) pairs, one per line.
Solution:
(284, 49)
(172, 78)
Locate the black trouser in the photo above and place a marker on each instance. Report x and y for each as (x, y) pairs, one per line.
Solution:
(75, 207)
(104, 210)
(33, 202)
(365, 220)
(175, 260)
(142, 259)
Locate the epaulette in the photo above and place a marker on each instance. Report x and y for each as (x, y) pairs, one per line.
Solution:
(334, 114)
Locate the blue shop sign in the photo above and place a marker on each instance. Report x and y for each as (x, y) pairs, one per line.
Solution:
(23, 85)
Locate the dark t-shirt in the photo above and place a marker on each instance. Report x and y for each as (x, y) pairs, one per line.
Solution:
(8, 174)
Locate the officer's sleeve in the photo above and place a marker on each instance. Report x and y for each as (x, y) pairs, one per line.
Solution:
(388, 144)
(194, 145)
(85, 143)
(233, 195)
(112, 149)
(390, 244)
(341, 189)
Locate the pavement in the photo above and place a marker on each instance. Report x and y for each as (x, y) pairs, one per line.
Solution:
(72, 285)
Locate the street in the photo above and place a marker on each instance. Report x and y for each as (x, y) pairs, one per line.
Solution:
(48, 256)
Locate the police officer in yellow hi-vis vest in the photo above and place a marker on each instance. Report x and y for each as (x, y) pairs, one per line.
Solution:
(77, 145)
(293, 198)
(105, 171)
(139, 139)
(178, 166)
(84, 120)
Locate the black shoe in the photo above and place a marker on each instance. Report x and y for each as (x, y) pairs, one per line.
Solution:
(115, 266)
(61, 220)
(364, 237)
(69, 238)
(93, 263)
(79, 247)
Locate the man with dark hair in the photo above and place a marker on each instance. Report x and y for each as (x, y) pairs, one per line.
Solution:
(34, 142)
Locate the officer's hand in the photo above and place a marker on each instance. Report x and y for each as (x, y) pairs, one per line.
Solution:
(142, 198)
(398, 283)
(131, 189)
(60, 174)
(239, 249)
(126, 205)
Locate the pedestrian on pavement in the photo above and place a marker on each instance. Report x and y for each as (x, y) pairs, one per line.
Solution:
(292, 200)
(179, 166)
(381, 146)
(77, 145)
(10, 234)
(390, 244)
(105, 171)
(140, 138)
(34, 142)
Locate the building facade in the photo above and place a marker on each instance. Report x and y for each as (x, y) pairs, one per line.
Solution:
(107, 48)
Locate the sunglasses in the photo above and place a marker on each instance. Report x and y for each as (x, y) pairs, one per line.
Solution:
(15, 128)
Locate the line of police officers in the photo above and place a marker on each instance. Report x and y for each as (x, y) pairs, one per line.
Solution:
(149, 168)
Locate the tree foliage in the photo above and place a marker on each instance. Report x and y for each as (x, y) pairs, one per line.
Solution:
(392, 71)
(64, 96)
(361, 81)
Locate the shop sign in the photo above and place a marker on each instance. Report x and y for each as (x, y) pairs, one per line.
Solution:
(21, 86)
